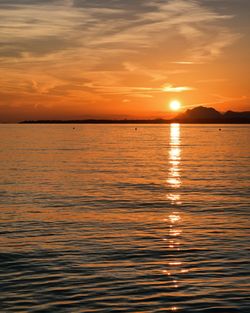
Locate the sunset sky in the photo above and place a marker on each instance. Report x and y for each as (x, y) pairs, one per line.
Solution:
(67, 59)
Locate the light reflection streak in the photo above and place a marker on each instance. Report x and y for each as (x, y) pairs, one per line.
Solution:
(175, 232)
(174, 308)
(174, 218)
(173, 197)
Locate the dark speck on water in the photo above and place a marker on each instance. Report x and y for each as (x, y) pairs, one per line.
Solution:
(106, 221)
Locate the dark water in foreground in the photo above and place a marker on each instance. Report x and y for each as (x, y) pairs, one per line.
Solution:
(109, 219)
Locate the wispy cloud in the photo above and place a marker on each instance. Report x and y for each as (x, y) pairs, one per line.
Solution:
(184, 62)
(220, 101)
(170, 88)
(113, 26)
(118, 47)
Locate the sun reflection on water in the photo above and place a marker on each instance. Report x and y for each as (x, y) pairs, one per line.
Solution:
(174, 266)
(174, 179)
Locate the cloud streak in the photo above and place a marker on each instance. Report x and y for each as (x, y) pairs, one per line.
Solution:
(114, 25)
(92, 49)
(170, 88)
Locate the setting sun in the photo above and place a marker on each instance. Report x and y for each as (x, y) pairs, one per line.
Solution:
(175, 105)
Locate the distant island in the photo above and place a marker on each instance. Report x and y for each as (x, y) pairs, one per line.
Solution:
(198, 115)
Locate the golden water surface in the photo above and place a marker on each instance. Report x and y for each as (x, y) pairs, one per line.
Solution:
(106, 218)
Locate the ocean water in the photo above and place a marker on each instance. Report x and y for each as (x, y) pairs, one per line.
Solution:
(106, 218)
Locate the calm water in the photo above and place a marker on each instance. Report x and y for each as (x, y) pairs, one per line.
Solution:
(110, 219)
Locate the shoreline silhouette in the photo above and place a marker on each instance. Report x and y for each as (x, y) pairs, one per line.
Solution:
(198, 115)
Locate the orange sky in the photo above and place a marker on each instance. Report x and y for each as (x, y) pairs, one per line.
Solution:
(70, 59)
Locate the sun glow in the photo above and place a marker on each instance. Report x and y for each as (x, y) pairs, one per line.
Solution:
(175, 105)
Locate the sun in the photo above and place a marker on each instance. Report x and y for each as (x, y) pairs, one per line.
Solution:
(175, 105)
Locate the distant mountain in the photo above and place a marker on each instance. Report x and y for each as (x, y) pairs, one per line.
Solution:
(232, 117)
(210, 115)
(201, 113)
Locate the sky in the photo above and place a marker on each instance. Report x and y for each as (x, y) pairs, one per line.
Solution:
(73, 59)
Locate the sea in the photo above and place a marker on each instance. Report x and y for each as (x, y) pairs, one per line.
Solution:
(124, 218)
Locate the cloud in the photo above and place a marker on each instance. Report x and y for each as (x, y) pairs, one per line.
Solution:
(220, 100)
(170, 88)
(128, 48)
(136, 91)
(184, 62)
(114, 25)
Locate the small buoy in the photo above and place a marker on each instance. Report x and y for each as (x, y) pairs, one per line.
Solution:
(74, 128)
(219, 129)
(135, 128)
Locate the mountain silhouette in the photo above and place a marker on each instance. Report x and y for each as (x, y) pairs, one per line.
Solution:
(202, 114)
(231, 116)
